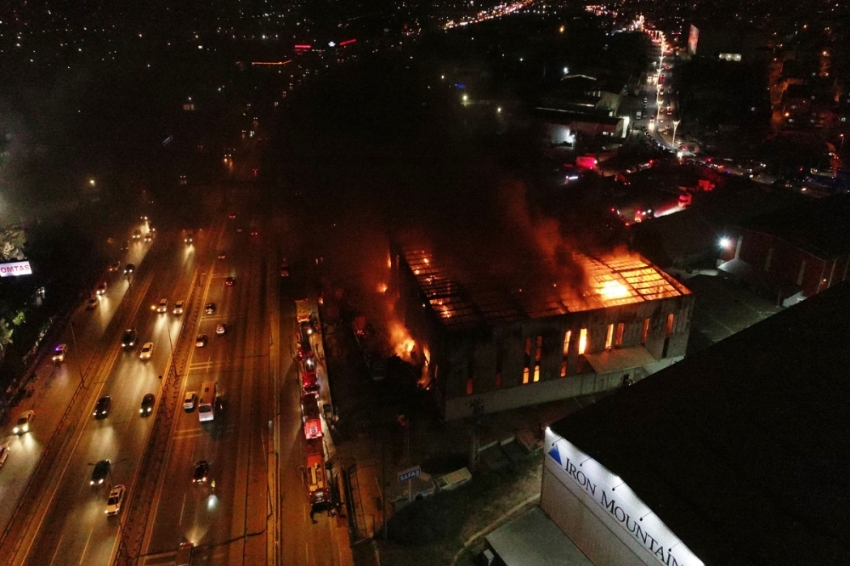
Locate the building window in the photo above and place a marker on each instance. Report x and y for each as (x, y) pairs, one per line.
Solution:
(538, 354)
(670, 320)
(566, 352)
(609, 337)
(582, 341)
(644, 333)
(525, 369)
(621, 329)
(470, 387)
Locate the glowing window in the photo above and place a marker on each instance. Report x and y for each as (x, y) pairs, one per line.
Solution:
(621, 329)
(644, 333)
(525, 375)
(470, 387)
(609, 337)
(536, 373)
(669, 325)
(582, 341)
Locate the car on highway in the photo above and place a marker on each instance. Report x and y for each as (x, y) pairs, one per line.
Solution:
(229, 281)
(4, 454)
(255, 232)
(128, 339)
(239, 229)
(115, 266)
(189, 401)
(115, 499)
(59, 353)
(101, 408)
(221, 329)
(231, 216)
(92, 303)
(184, 554)
(22, 425)
(101, 288)
(147, 351)
(178, 308)
(201, 341)
(149, 236)
(129, 268)
(222, 255)
(201, 472)
(284, 268)
(148, 401)
(99, 473)
(162, 307)
(209, 308)
(137, 234)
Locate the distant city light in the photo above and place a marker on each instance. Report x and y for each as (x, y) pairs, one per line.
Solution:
(566, 70)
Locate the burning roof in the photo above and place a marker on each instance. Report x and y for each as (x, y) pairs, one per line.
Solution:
(465, 298)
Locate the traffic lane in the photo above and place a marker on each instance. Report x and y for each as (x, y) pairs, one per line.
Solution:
(223, 441)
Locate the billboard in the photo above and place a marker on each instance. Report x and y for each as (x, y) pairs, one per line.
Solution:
(693, 39)
(13, 262)
(15, 269)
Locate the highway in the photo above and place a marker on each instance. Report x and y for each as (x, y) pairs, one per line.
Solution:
(72, 527)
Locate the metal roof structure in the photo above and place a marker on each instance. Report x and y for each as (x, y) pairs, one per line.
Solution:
(467, 298)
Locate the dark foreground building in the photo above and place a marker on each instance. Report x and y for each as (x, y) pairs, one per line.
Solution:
(493, 344)
(738, 455)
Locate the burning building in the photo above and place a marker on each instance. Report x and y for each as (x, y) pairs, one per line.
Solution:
(496, 346)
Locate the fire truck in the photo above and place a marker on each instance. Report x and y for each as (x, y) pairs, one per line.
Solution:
(311, 416)
(318, 490)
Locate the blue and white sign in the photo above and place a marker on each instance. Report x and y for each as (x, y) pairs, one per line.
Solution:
(409, 474)
(613, 501)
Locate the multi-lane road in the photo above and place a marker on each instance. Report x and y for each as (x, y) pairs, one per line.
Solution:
(253, 509)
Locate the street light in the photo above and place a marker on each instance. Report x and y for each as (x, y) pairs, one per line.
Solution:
(675, 125)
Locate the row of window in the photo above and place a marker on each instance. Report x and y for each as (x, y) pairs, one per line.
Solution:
(531, 368)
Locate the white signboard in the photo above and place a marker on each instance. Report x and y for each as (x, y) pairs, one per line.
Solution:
(613, 499)
(409, 474)
(15, 268)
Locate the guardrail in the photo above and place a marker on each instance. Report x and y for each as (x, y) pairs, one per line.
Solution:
(30, 500)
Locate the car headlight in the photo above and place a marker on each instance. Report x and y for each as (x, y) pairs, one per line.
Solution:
(26, 427)
(141, 410)
(100, 481)
(91, 482)
(15, 430)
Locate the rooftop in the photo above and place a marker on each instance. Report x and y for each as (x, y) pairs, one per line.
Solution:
(743, 449)
(818, 226)
(470, 297)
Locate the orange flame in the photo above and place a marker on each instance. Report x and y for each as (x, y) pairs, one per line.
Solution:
(613, 290)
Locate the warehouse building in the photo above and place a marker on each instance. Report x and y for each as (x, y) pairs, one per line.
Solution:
(489, 346)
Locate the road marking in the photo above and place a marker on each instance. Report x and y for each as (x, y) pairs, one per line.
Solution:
(182, 509)
(86, 547)
(307, 552)
(58, 546)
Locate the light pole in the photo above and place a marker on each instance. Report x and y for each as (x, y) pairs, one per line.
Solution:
(841, 146)
(673, 141)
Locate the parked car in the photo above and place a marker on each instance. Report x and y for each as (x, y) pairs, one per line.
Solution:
(189, 401)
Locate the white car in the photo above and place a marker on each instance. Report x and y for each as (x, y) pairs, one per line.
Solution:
(59, 353)
(22, 425)
(189, 401)
(4, 453)
(220, 329)
(115, 499)
(162, 307)
(178, 308)
(147, 351)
